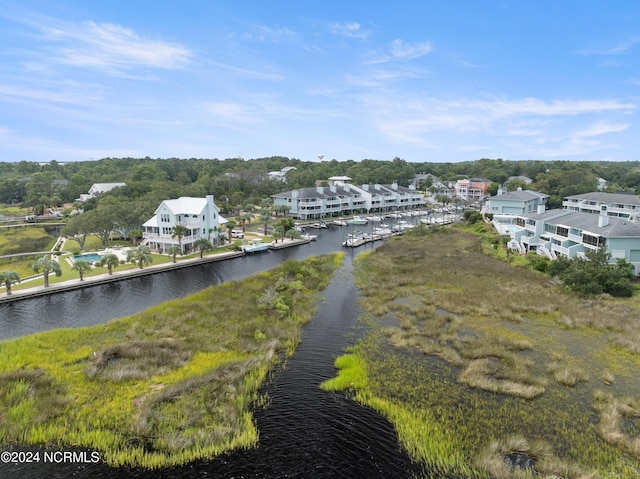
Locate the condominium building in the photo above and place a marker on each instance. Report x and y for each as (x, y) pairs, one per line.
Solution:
(343, 198)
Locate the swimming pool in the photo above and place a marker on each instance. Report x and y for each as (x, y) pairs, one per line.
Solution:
(88, 257)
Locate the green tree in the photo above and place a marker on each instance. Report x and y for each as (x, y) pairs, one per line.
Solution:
(47, 266)
(444, 199)
(283, 225)
(265, 217)
(202, 245)
(281, 210)
(82, 267)
(140, 255)
(595, 275)
(179, 232)
(230, 225)
(174, 251)
(135, 235)
(8, 278)
(110, 261)
(78, 228)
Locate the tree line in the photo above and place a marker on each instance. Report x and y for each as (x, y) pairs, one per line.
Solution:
(236, 181)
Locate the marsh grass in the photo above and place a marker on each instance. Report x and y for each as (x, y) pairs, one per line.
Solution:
(497, 460)
(613, 412)
(469, 343)
(169, 385)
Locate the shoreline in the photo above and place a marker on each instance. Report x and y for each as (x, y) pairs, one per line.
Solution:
(104, 278)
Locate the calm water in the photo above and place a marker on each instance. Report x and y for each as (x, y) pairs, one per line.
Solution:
(304, 433)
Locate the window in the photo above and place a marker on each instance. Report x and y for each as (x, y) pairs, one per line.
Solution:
(165, 218)
(593, 240)
(562, 231)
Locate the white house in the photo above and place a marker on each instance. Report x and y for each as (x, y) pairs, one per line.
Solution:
(99, 188)
(200, 216)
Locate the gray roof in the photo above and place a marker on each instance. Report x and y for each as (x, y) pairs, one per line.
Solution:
(608, 198)
(588, 222)
(520, 195)
(306, 193)
(548, 214)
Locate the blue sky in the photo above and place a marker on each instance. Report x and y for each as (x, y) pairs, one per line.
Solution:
(421, 80)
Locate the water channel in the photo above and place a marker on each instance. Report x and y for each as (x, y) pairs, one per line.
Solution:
(304, 432)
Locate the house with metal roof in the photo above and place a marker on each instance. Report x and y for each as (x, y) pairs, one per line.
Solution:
(200, 216)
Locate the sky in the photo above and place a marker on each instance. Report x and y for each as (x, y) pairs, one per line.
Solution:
(425, 80)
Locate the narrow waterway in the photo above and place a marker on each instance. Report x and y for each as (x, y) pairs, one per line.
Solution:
(100, 303)
(304, 432)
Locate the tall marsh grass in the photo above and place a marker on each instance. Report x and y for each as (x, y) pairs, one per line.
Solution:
(169, 385)
(476, 348)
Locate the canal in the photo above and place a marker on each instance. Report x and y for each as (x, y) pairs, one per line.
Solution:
(305, 432)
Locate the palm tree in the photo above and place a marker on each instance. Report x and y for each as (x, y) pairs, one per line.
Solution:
(82, 267)
(245, 218)
(110, 261)
(230, 225)
(202, 244)
(8, 278)
(284, 225)
(293, 233)
(178, 232)
(140, 255)
(265, 216)
(173, 251)
(47, 266)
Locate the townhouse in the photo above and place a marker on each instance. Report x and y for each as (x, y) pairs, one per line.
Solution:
(341, 198)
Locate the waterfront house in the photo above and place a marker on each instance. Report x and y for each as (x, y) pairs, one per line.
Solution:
(200, 216)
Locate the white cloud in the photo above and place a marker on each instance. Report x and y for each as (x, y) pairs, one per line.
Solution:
(600, 128)
(616, 49)
(262, 33)
(406, 51)
(114, 47)
(349, 30)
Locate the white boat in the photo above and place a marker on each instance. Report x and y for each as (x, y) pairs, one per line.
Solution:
(339, 222)
(254, 245)
(382, 231)
(354, 240)
(309, 237)
(358, 220)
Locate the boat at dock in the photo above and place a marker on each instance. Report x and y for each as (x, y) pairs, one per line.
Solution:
(358, 220)
(254, 246)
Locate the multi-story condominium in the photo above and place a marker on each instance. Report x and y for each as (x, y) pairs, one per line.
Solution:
(200, 216)
(516, 202)
(611, 204)
(572, 233)
(344, 198)
(472, 189)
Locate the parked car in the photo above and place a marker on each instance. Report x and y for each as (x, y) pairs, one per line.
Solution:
(237, 234)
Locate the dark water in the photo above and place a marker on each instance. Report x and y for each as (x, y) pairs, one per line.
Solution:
(304, 432)
(98, 304)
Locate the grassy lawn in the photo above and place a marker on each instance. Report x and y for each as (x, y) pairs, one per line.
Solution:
(165, 386)
(474, 360)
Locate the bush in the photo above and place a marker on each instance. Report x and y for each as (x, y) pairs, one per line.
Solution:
(594, 275)
(472, 216)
